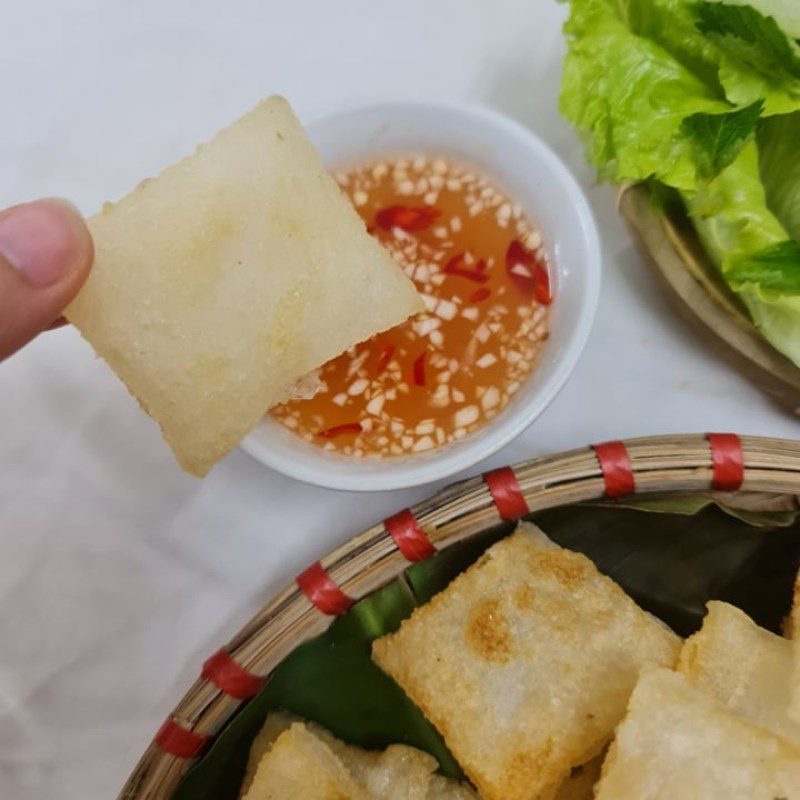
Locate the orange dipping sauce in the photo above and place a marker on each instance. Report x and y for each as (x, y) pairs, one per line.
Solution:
(478, 263)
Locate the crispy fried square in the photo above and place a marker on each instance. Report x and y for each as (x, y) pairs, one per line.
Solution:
(679, 742)
(219, 283)
(300, 766)
(748, 669)
(525, 663)
(398, 773)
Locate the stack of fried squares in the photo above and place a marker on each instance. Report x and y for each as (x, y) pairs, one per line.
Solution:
(547, 682)
(530, 661)
(718, 727)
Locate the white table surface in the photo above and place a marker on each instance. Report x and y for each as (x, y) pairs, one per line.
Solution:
(119, 574)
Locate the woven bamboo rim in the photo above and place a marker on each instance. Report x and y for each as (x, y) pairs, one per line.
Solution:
(657, 466)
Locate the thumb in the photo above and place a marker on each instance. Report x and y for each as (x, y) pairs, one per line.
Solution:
(45, 255)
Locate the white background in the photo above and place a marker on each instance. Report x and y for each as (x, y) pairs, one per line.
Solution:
(118, 574)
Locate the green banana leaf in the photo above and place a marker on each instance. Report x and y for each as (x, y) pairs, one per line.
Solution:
(671, 556)
(760, 510)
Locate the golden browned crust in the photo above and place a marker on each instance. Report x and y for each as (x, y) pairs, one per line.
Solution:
(525, 663)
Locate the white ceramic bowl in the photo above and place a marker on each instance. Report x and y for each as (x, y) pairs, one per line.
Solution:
(519, 163)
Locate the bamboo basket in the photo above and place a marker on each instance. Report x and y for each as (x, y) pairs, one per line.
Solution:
(741, 467)
(700, 295)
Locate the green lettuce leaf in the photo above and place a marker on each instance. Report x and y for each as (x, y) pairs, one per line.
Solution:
(757, 60)
(750, 37)
(673, 92)
(777, 316)
(775, 268)
(672, 24)
(779, 162)
(730, 212)
(631, 97)
(642, 81)
(769, 283)
(785, 12)
(717, 139)
(750, 246)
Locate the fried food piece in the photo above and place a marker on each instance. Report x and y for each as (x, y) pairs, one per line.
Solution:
(234, 273)
(679, 742)
(397, 773)
(525, 663)
(748, 669)
(300, 766)
(275, 724)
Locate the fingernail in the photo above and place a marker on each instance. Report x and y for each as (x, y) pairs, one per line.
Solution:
(39, 240)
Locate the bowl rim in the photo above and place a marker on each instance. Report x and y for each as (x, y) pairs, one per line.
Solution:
(321, 470)
(707, 464)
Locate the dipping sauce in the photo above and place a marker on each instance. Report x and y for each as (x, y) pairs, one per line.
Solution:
(478, 263)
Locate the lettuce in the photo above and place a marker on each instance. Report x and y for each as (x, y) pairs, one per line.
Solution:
(767, 268)
(686, 94)
(631, 97)
(717, 139)
(750, 37)
(769, 73)
(752, 249)
(730, 213)
(757, 59)
(785, 12)
(776, 315)
(779, 156)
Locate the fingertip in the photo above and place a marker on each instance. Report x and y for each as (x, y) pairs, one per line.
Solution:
(46, 253)
(46, 242)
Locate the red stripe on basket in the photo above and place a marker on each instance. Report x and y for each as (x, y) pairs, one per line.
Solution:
(322, 591)
(408, 535)
(615, 464)
(728, 460)
(178, 741)
(230, 677)
(506, 493)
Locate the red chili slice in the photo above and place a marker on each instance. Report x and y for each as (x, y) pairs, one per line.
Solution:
(454, 267)
(409, 219)
(479, 294)
(419, 369)
(340, 430)
(528, 272)
(387, 351)
(517, 254)
(541, 285)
